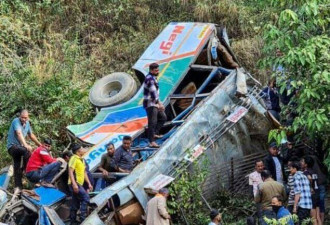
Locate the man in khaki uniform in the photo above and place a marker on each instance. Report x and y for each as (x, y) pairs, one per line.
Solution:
(156, 209)
(266, 191)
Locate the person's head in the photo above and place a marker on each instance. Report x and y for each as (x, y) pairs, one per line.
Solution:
(277, 200)
(273, 149)
(154, 69)
(306, 162)
(127, 141)
(110, 149)
(277, 203)
(272, 83)
(47, 143)
(24, 116)
(259, 166)
(290, 142)
(164, 191)
(77, 149)
(278, 53)
(66, 155)
(294, 168)
(265, 174)
(215, 216)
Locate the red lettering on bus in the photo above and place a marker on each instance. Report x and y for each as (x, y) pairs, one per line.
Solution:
(167, 45)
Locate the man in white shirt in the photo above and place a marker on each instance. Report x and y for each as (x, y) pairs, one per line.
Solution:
(255, 177)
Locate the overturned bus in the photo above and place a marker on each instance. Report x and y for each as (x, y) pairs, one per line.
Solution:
(213, 107)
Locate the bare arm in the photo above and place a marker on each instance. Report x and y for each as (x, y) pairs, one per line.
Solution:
(123, 170)
(296, 200)
(257, 198)
(86, 178)
(73, 181)
(34, 139)
(21, 139)
(104, 172)
(71, 177)
(311, 183)
(284, 195)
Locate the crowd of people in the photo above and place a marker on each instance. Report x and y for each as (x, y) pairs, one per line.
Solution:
(281, 177)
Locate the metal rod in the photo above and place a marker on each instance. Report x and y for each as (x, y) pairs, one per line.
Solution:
(115, 211)
(184, 217)
(232, 172)
(206, 203)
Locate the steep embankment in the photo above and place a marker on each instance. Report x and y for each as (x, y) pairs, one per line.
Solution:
(51, 52)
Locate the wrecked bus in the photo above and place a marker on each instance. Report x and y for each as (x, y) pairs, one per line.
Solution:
(213, 107)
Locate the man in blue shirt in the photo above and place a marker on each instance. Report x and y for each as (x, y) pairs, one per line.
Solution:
(17, 146)
(124, 157)
(282, 214)
(154, 108)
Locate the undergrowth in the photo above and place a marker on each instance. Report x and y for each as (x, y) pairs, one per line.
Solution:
(51, 52)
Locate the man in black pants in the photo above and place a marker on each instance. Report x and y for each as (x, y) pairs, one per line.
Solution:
(154, 108)
(17, 146)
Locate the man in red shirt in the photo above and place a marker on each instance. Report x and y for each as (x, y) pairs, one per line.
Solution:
(42, 166)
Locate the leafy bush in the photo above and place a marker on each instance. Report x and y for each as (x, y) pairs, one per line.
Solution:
(51, 52)
(186, 202)
(234, 207)
(301, 34)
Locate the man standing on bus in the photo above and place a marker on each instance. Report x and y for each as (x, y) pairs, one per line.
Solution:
(154, 108)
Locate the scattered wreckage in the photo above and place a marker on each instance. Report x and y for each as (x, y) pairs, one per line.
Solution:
(213, 107)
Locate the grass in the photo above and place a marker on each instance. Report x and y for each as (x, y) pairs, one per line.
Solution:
(51, 52)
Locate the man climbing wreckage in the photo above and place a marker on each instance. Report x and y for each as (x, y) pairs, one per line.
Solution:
(212, 107)
(18, 147)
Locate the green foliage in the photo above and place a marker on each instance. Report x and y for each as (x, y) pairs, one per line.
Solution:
(186, 195)
(284, 220)
(235, 208)
(186, 200)
(53, 103)
(278, 135)
(51, 52)
(301, 34)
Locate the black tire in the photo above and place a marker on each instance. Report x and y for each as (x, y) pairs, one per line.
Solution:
(112, 89)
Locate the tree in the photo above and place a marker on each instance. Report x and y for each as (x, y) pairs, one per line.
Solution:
(301, 33)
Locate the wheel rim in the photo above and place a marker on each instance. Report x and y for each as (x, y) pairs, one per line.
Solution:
(111, 89)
